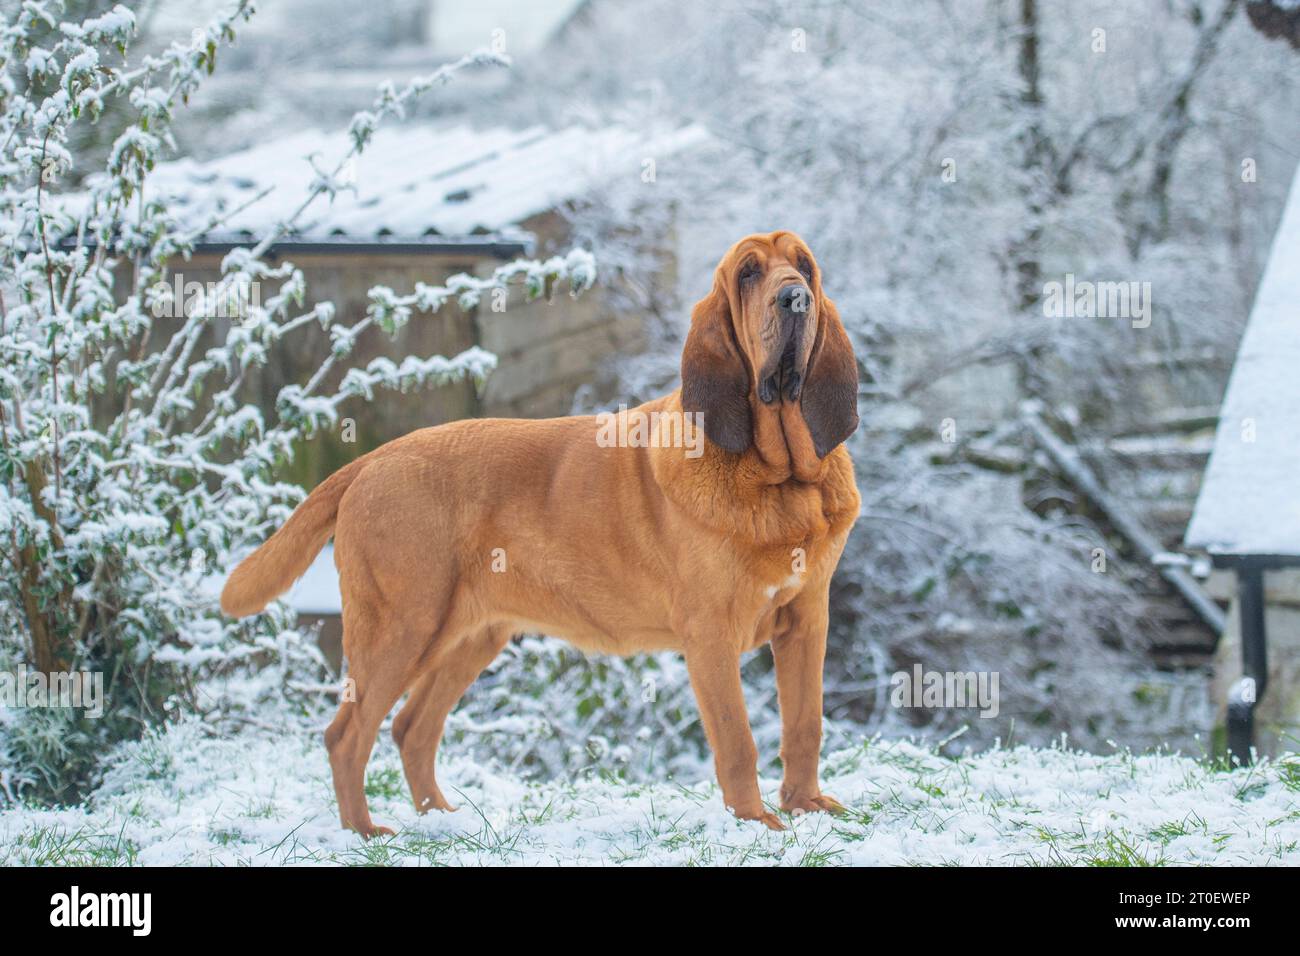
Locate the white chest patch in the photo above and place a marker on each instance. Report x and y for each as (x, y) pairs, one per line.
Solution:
(790, 582)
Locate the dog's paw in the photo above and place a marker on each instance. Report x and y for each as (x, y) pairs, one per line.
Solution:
(765, 817)
(436, 802)
(797, 806)
(374, 830)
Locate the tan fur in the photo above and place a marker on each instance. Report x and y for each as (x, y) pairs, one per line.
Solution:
(618, 550)
(269, 571)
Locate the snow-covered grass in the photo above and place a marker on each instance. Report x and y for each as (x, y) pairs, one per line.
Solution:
(188, 797)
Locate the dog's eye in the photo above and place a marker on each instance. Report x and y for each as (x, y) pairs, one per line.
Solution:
(805, 267)
(749, 271)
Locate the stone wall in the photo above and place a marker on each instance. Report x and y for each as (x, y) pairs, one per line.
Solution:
(548, 350)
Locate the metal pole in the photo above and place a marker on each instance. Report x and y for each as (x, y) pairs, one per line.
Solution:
(1246, 693)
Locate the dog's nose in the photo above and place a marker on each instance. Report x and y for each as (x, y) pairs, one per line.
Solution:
(792, 298)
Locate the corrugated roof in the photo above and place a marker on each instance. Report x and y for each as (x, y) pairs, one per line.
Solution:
(411, 181)
(1250, 498)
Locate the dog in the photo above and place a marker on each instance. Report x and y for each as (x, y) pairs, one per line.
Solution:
(451, 540)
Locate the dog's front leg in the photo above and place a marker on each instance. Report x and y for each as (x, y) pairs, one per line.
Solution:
(714, 666)
(799, 653)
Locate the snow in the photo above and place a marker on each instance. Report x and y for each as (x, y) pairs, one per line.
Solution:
(1250, 499)
(264, 798)
(525, 26)
(317, 591)
(411, 181)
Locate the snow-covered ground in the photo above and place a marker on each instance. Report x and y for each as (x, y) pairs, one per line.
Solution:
(187, 797)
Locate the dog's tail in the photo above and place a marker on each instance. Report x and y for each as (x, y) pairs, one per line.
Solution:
(271, 570)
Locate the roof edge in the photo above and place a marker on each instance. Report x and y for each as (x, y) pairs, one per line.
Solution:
(493, 245)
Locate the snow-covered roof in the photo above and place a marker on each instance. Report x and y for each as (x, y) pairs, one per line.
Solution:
(410, 182)
(1250, 498)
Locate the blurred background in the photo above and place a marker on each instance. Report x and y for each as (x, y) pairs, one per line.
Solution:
(946, 161)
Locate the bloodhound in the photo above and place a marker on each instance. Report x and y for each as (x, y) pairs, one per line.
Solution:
(452, 539)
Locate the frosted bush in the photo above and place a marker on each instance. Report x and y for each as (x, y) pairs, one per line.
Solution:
(131, 465)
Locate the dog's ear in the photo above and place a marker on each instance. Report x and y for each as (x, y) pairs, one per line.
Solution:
(830, 393)
(715, 379)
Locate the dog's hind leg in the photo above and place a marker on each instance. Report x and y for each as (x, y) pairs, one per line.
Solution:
(418, 727)
(382, 668)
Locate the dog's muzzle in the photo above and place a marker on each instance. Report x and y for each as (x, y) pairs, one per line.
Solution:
(784, 376)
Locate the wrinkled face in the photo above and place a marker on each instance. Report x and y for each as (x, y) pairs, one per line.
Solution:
(775, 279)
(767, 361)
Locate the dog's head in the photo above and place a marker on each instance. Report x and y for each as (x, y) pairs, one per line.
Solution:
(767, 337)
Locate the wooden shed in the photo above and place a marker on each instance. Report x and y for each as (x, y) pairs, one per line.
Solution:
(430, 202)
